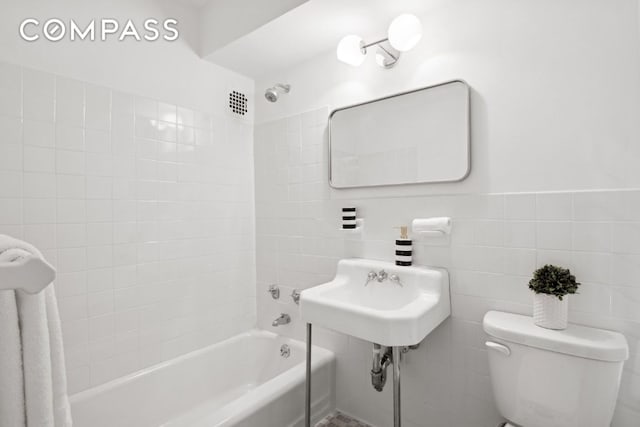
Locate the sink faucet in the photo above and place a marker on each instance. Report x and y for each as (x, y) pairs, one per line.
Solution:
(371, 276)
(395, 279)
(282, 320)
(381, 276)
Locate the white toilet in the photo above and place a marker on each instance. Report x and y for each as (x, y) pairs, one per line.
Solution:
(548, 378)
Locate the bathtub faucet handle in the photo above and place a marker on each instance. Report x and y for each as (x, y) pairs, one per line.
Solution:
(295, 296)
(274, 290)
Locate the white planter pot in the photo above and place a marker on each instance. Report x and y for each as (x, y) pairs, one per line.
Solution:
(549, 312)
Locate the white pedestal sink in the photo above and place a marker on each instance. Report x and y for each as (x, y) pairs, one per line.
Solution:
(378, 302)
(397, 310)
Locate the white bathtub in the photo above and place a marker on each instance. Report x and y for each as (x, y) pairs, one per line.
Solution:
(242, 381)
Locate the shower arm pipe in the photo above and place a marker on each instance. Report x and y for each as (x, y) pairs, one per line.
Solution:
(285, 88)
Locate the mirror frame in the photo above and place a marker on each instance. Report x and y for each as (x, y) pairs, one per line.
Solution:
(468, 120)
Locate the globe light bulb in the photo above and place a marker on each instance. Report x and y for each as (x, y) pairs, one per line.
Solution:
(405, 32)
(349, 50)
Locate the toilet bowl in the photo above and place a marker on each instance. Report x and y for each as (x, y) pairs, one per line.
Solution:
(549, 378)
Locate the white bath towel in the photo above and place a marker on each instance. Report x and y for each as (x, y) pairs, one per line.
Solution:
(33, 387)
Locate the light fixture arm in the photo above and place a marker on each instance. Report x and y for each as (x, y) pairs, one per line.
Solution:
(365, 46)
(394, 57)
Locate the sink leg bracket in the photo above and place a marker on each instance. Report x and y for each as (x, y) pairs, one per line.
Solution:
(307, 383)
(396, 354)
(396, 386)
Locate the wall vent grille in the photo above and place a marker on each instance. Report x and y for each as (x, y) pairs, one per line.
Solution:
(238, 102)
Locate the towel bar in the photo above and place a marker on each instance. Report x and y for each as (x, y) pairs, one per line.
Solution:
(30, 274)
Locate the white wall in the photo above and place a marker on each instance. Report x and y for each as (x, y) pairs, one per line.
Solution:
(555, 104)
(555, 84)
(497, 242)
(121, 162)
(223, 21)
(144, 207)
(171, 71)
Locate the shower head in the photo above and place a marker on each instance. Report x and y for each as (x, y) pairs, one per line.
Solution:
(273, 93)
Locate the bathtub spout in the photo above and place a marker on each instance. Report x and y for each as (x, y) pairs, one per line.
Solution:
(282, 320)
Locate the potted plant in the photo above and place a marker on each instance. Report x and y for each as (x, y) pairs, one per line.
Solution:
(551, 285)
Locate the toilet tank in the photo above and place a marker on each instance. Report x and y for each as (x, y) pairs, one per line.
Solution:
(549, 378)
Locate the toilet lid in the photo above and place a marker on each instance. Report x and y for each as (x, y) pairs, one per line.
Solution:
(581, 341)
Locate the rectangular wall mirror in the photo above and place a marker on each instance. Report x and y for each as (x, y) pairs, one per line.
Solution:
(421, 136)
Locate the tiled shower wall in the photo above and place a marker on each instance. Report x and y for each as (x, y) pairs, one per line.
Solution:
(145, 208)
(497, 241)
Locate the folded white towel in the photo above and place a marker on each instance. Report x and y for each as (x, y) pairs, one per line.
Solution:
(440, 224)
(32, 373)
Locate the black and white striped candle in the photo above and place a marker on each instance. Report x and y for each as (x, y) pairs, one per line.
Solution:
(349, 218)
(404, 252)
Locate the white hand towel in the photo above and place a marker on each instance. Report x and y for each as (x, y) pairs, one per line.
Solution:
(12, 411)
(441, 224)
(32, 374)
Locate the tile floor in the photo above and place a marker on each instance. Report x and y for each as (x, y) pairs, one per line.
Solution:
(338, 419)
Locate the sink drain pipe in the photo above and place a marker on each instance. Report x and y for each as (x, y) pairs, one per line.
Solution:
(382, 357)
(381, 360)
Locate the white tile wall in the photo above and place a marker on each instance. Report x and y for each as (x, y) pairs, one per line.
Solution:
(497, 241)
(145, 208)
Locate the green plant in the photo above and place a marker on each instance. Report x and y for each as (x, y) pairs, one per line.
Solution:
(553, 280)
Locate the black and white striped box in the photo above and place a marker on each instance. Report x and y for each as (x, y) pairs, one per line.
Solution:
(349, 218)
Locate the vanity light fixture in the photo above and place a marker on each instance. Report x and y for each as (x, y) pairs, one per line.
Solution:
(404, 33)
(351, 50)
